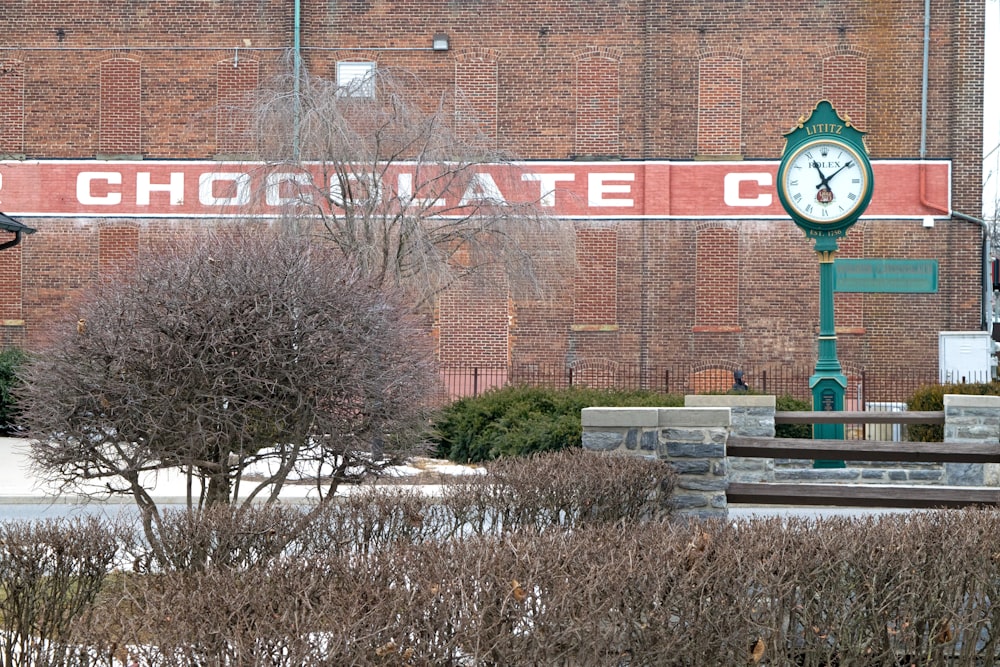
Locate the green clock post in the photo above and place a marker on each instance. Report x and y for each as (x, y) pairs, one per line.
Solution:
(825, 183)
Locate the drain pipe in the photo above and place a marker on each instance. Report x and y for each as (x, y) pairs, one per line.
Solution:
(924, 85)
(986, 316)
(296, 74)
(16, 227)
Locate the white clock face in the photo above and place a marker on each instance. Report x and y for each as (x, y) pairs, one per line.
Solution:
(825, 181)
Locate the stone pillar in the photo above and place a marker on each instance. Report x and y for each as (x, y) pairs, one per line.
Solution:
(969, 418)
(692, 439)
(752, 415)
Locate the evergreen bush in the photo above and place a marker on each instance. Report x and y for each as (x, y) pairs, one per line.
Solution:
(520, 420)
(931, 398)
(787, 403)
(11, 362)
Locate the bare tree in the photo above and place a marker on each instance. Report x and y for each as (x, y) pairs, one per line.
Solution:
(404, 185)
(248, 359)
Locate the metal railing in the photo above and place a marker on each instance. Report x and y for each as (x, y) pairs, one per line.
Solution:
(866, 390)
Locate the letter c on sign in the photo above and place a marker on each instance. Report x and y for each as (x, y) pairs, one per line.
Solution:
(83, 188)
(731, 189)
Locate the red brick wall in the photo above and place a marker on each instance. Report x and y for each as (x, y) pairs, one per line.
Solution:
(556, 80)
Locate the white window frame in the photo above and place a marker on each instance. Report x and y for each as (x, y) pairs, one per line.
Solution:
(356, 79)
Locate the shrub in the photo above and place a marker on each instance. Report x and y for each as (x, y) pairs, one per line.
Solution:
(518, 420)
(570, 488)
(931, 398)
(51, 574)
(11, 362)
(791, 404)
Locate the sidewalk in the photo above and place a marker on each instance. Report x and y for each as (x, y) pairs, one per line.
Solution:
(17, 482)
(20, 486)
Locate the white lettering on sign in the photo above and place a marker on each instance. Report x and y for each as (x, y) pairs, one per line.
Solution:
(367, 192)
(144, 186)
(548, 185)
(84, 188)
(272, 189)
(482, 189)
(732, 183)
(656, 190)
(404, 187)
(206, 188)
(598, 187)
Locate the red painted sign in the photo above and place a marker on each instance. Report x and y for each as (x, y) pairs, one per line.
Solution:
(582, 190)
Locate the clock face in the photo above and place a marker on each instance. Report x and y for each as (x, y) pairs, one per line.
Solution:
(825, 181)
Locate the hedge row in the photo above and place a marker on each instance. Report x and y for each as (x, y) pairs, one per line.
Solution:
(903, 589)
(84, 592)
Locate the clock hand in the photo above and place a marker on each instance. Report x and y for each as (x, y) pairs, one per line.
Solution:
(826, 181)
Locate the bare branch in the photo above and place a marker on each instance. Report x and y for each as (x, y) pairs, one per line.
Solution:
(396, 187)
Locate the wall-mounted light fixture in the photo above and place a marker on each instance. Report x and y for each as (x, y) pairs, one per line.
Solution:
(440, 42)
(928, 222)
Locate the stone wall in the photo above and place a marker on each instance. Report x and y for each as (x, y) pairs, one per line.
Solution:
(752, 416)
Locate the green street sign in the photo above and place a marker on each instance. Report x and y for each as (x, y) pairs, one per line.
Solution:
(890, 276)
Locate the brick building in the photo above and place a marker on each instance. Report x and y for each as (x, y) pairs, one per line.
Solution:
(666, 116)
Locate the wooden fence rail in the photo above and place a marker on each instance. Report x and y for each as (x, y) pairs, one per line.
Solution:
(862, 495)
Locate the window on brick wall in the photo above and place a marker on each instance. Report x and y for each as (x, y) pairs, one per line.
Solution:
(117, 248)
(720, 106)
(236, 82)
(595, 303)
(10, 278)
(717, 280)
(121, 91)
(356, 79)
(476, 96)
(845, 84)
(848, 307)
(11, 107)
(598, 114)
